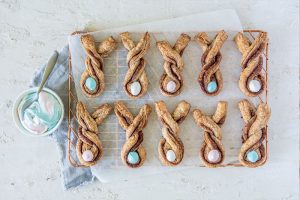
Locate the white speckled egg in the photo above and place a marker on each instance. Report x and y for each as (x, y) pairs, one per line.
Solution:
(87, 156)
(135, 88)
(213, 156)
(171, 86)
(171, 156)
(254, 85)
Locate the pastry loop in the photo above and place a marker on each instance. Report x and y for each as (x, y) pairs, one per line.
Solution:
(88, 139)
(210, 61)
(94, 64)
(254, 132)
(252, 62)
(212, 134)
(134, 132)
(173, 64)
(170, 131)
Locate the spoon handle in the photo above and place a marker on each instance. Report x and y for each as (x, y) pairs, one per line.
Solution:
(48, 70)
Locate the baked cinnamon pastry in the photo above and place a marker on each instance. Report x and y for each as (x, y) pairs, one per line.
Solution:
(210, 77)
(88, 147)
(170, 146)
(171, 81)
(252, 80)
(252, 153)
(133, 153)
(92, 78)
(212, 152)
(136, 81)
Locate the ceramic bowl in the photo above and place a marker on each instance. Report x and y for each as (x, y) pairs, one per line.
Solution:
(16, 115)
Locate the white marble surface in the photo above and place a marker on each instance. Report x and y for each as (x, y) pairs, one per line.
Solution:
(31, 29)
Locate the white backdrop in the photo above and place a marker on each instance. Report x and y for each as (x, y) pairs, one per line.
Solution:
(31, 29)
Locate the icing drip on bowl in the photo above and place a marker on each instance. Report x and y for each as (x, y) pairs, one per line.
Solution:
(42, 115)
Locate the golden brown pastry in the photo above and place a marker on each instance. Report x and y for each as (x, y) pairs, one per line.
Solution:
(136, 81)
(212, 152)
(252, 80)
(92, 78)
(210, 77)
(133, 153)
(171, 81)
(252, 153)
(170, 146)
(88, 147)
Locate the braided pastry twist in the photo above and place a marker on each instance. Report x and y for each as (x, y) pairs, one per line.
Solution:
(92, 78)
(88, 147)
(170, 146)
(133, 153)
(210, 77)
(136, 81)
(171, 81)
(212, 152)
(252, 81)
(252, 153)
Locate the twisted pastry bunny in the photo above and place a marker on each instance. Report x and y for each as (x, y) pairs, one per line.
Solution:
(210, 77)
(133, 153)
(92, 78)
(136, 81)
(252, 153)
(252, 81)
(170, 147)
(89, 148)
(212, 152)
(171, 80)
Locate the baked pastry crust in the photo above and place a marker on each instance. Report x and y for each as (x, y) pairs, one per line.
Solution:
(252, 61)
(170, 131)
(94, 62)
(134, 131)
(88, 131)
(210, 61)
(212, 133)
(254, 131)
(173, 64)
(136, 63)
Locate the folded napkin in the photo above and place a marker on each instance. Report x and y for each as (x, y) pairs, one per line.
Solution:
(58, 82)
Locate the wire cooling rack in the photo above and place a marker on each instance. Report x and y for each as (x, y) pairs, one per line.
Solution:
(73, 123)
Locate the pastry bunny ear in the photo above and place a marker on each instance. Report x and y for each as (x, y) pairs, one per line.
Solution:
(107, 46)
(242, 42)
(123, 115)
(221, 112)
(247, 109)
(101, 113)
(181, 111)
(88, 42)
(203, 40)
(126, 40)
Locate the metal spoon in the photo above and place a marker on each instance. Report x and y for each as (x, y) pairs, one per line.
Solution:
(50, 65)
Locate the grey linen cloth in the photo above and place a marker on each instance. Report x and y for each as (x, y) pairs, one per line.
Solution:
(58, 82)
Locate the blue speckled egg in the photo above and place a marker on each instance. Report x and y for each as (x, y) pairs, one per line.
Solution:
(91, 83)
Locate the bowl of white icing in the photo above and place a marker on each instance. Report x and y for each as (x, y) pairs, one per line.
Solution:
(42, 117)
